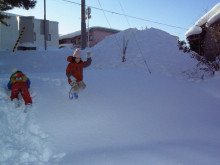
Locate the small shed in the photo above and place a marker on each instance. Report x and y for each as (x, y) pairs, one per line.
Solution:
(204, 36)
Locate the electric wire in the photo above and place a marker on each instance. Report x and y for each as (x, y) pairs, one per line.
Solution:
(142, 19)
(109, 25)
(135, 38)
(125, 15)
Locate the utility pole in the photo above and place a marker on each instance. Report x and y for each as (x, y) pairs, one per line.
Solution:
(45, 32)
(83, 25)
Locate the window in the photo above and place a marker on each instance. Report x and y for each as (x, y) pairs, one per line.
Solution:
(62, 41)
(49, 37)
(90, 37)
(34, 36)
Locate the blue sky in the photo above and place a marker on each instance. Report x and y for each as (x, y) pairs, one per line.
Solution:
(171, 12)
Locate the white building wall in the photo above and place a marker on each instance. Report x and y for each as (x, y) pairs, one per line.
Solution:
(28, 24)
(9, 34)
(53, 30)
(39, 37)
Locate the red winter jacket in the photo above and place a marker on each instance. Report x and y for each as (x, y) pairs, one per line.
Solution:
(76, 69)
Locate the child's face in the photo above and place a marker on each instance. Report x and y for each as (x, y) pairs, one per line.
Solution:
(77, 60)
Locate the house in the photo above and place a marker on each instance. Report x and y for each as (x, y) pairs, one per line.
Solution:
(204, 36)
(96, 34)
(31, 32)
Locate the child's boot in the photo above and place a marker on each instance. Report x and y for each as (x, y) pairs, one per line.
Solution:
(16, 103)
(76, 95)
(70, 95)
(27, 107)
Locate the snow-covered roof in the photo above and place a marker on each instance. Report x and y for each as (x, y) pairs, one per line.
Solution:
(77, 33)
(210, 17)
(194, 30)
(214, 18)
(11, 14)
(71, 35)
(71, 46)
(17, 15)
(205, 18)
(27, 44)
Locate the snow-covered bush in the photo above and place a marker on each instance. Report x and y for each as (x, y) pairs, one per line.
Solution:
(204, 67)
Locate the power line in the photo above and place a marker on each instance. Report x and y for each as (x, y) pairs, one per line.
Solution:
(142, 19)
(135, 39)
(109, 24)
(105, 15)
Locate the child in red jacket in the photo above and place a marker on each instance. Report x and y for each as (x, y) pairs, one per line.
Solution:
(74, 72)
(19, 83)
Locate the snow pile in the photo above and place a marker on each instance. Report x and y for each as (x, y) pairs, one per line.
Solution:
(210, 17)
(124, 116)
(157, 47)
(27, 44)
(21, 141)
(39, 61)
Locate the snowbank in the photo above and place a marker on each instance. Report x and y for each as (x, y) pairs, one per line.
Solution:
(157, 47)
(125, 115)
(21, 140)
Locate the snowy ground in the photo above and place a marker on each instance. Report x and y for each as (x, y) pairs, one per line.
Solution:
(124, 116)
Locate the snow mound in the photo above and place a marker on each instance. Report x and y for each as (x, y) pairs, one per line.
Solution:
(21, 140)
(158, 48)
(81, 127)
(35, 61)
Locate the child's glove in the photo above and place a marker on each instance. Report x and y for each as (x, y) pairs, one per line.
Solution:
(88, 54)
(28, 83)
(73, 80)
(9, 85)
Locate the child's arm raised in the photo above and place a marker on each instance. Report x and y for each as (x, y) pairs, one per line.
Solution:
(89, 59)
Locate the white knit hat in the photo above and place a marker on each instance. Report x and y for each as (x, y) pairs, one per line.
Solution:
(13, 69)
(77, 53)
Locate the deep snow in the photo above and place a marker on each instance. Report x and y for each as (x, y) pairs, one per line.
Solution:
(124, 116)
